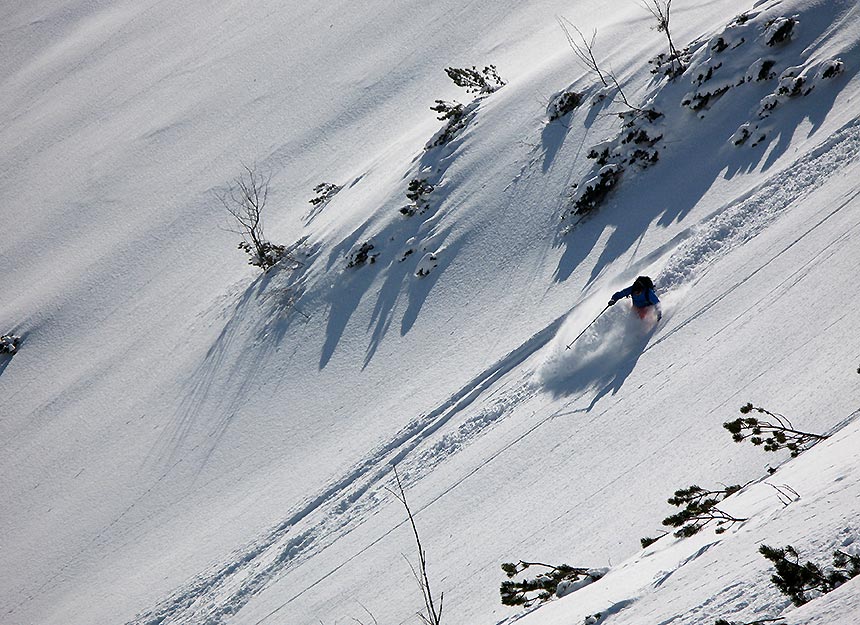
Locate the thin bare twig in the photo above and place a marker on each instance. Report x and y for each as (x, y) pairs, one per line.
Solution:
(660, 10)
(432, 615)
(582, 48)
(785, 493)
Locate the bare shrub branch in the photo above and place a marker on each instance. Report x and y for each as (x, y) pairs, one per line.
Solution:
(582, 48)
(660, 10)
(432, 615)
(245, 199)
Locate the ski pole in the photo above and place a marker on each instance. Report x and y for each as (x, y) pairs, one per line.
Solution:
(588, 326)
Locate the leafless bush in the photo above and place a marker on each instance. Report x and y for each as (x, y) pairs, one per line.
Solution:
(245, 199)
(660, 10)
(431, 615)
(582, 48)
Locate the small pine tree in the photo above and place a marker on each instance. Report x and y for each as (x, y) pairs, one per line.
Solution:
(324, 192)
(773, 435)
(799, 581)
(417, 191)
(540, 588)
(9, 343)
(452, 112)
(647, 541)
(700, 508)
(484, 82)
(847, 564)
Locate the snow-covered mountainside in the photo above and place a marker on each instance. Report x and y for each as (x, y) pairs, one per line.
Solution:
(188, 439)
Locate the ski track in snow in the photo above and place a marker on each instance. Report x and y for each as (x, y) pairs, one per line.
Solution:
(343, 505)
(214, 596)
(745, 219)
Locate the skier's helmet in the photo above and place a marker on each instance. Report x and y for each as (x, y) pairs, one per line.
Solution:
(642, 283)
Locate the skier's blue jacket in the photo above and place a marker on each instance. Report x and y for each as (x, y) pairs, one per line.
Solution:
(643, 299)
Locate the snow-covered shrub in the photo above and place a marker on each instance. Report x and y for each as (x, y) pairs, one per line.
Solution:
(706, 73)
(324, 192)
(665, 64)
(714, 67)
(741, 134)
(9, 343)
(741, 19)
(699, 509)
(699, 100)
(455, 114)
(719, 45)
(801, 582)
(418, 191)
(591, 193)
(792, 83)
(563, 104)
(747, 131)
(830, 69)
(633, 146)
(673, 63)
(775, 434)
(428, 263)
(484, 82)
(767, 104)
(552, 581)
(265, 254)
(361, 255)
(761, 70)
(780, 30)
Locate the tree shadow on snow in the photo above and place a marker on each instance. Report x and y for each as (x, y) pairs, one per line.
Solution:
(401, 280)
(666, 192)
(552, 138)
(401, 245)
(216, 390)
(555, 132)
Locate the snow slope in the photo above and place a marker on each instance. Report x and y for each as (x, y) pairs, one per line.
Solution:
(182, 445)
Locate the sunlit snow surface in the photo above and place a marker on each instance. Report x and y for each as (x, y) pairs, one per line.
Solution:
(186, 440)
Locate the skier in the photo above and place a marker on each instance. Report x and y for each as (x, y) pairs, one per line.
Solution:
(643, 296)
